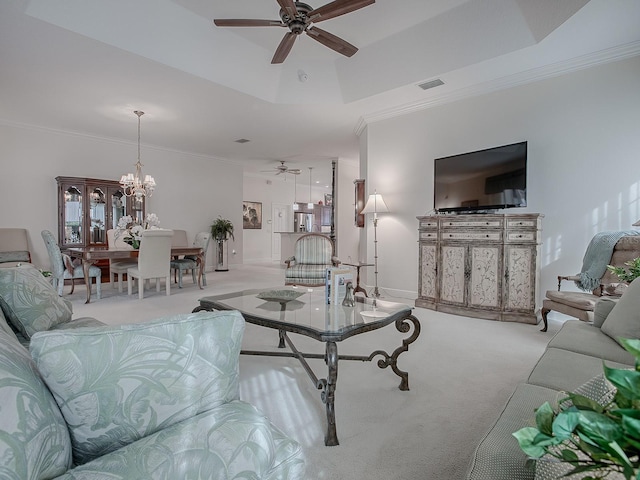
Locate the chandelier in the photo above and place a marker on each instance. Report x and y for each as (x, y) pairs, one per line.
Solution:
(132, 183)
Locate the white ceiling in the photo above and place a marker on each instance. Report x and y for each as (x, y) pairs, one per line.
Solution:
(85, 65)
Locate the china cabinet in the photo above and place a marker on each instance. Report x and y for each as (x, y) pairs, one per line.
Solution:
(88, 207)
(484, 266)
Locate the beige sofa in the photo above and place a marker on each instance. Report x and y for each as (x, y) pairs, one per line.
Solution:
(573, 357)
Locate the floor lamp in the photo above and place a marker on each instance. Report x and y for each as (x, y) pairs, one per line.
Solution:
(375, 204)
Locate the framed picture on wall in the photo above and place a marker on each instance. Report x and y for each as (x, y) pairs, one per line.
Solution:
(328, 199)
(251, 215)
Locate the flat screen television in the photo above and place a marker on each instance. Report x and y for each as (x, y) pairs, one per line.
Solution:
(486, 180)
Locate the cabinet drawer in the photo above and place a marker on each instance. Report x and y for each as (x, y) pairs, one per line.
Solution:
(428, 223)
(472, 223)
(472, 236)
(428, 235)
(522, 223)
(521, 236)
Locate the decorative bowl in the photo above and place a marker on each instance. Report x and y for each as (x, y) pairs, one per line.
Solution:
(279, 295)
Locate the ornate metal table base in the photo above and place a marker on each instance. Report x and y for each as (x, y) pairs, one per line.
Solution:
(331, 358)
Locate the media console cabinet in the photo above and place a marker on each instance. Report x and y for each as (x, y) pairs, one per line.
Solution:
(480, 265)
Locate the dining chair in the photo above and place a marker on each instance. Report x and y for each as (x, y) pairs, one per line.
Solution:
(153, 261)
(62, 267)
(190, 262)
(118, 266)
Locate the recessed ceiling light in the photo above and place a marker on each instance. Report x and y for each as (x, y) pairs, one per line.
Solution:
(242, 140)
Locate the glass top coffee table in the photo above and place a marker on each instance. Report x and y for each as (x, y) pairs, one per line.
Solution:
(304, 311)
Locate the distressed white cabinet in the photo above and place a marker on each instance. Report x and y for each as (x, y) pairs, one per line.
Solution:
(482, 266)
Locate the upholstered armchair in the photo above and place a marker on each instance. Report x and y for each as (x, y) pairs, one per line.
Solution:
(313, 254)
(189, 262)
(62, 268)
(606, 248)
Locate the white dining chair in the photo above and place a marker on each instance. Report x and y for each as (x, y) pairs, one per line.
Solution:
(118, 266)
(153, 261)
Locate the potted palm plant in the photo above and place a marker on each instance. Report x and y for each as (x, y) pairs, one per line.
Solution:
(221, 231)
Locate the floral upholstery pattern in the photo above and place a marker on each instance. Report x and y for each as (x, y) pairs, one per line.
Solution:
(232, 441)
(29, 301)
(115, 385)
(34, 440)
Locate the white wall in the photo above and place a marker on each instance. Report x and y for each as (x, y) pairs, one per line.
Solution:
(192, 190)
(583, 133)
(257, 242)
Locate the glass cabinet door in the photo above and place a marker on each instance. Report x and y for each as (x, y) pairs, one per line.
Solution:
(97, 216)
(72, 215)
(118, 206)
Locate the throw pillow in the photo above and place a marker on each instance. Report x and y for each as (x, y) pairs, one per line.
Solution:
(115, 385)
(602, 310)
(598, 389)
(30, 302)
(624, 319)
(34, 440)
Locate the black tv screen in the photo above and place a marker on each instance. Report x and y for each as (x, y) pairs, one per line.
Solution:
(490, 179)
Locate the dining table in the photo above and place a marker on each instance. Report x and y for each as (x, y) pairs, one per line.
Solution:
(92, 254)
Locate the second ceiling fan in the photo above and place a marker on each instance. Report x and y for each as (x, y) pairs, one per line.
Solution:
(299, 17)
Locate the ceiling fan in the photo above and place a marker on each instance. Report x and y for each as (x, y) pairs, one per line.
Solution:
(299, 17)
(282, 168)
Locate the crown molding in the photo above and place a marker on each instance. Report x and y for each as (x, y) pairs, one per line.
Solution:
(522, 78)
(72, 133)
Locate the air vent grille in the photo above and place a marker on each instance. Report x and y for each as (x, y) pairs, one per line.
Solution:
(430, 84)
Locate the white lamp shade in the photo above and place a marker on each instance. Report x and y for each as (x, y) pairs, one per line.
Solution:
(375, 204)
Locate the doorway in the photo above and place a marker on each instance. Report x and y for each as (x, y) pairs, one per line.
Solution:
(282, 215)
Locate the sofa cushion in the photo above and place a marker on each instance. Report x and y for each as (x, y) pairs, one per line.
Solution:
(564, 370)
(624, 319)
(498, 456)
(224, 443)
(581, 300)
(29, 301)
(4, 326)
(34, 440)
(115, 385)
(580, 337)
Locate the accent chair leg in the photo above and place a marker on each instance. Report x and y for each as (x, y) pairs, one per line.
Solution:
(544, 312)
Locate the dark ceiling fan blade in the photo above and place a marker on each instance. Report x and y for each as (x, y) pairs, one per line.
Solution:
(337, 8)
(288, 6)
(238, 22)
(331, 41)
(284, 48)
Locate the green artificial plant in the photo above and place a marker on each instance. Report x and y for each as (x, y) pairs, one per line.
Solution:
(624, 274)
(596, 440)
(222, 229)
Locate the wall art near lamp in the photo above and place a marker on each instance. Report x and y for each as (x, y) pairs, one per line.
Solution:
(359, 202)
(251, 215)
(328, 199)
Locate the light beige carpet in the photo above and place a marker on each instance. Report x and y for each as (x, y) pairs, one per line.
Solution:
(461, 372)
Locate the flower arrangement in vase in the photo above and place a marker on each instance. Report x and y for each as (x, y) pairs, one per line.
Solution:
(133, 230)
